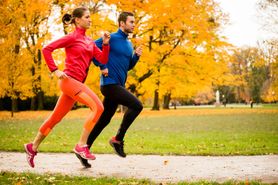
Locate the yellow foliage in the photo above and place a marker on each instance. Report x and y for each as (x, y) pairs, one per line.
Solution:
(172, 31)
(100, 23)
(93, 80)
(15, 74)
(270, 91)
(271, 95)
(22, 29)
(182, 51)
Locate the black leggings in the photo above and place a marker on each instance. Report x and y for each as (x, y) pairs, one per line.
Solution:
(113, 96)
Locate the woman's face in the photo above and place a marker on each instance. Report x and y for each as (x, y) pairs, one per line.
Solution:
(84, 21)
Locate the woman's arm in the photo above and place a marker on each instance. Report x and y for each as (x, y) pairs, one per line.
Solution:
(48, 49)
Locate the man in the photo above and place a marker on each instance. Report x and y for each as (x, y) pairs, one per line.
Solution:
(122, 58)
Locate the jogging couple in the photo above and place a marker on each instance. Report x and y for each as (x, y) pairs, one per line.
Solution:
(115, 56)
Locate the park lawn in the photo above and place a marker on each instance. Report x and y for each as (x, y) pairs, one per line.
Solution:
(7, 178)
(203, 131)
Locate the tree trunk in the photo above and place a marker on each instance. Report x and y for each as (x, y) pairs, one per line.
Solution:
(175, 105)
(40, 94)
(14, 106)
(166, 101)
(1, 104)
(156, 93)
(40, 100)
(37, 100)
(238, 95)
(156, 100)
(33, 103)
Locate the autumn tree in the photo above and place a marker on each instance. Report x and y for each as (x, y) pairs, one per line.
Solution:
(15, 65)
(250, 65)
(35, 14)
(268, 10)
(270, 55)
(166, 28)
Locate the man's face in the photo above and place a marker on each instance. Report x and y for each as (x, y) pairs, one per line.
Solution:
(129, 25)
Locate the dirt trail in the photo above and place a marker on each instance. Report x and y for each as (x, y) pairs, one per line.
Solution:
(156, 168)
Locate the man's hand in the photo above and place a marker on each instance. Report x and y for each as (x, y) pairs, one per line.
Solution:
(104, 72)
(60, 74)
(138, 51)
(106, 37)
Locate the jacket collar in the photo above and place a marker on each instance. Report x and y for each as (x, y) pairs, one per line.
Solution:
(81, 31)
(122, 33)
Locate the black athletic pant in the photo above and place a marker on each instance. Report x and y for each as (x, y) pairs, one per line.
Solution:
(113, 96)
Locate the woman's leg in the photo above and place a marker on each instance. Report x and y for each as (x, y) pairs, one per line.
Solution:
(81, 93)
(63, 106)
(89, 98)
(110, 108)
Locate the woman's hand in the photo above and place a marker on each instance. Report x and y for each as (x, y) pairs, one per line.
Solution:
(60, 74)
(106, 37)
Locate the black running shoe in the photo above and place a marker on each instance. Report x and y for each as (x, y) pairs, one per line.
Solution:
(83, 161)
(118, 146)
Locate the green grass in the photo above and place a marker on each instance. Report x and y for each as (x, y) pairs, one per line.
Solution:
(270, 105)
(199, 132)
(7, 178)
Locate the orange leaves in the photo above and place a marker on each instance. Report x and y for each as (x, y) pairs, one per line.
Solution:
(269, 93)
(83, 113)
(100, 23)
(137, 41)
(172, 32)
(21, 29)
(182, 51)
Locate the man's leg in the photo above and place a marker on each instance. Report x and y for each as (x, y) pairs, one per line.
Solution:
(134, 108)
(124, 97)
(110, 108)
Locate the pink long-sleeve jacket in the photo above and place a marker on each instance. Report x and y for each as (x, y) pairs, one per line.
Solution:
(80, 50)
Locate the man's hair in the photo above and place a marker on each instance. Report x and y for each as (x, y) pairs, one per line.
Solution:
(123, 16)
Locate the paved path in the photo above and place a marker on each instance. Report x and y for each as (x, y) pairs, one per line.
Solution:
(156, 168)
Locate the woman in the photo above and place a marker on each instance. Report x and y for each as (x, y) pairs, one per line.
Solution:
(80, 49)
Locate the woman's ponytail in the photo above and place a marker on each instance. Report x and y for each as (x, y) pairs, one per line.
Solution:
(77, 13)
(67, 19)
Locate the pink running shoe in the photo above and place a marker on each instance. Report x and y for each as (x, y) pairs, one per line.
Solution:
(84, 152)
(30, 154)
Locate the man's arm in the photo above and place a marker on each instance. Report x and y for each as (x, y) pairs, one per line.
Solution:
(135, 57)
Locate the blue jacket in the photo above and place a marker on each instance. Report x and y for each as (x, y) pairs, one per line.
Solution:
(121, 59)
